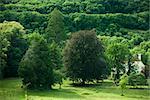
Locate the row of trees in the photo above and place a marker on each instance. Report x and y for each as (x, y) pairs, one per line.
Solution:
(81, 6)
(33, 21)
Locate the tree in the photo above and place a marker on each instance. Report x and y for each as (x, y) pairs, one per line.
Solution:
(82, 56)
(123, 82)
(117, 54)
(55, 28)
(14, 55)
(35, 67)
(13, 33)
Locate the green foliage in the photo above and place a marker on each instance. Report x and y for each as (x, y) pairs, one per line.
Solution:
(35, 67)
(82, 56)
(3, 56)
(70, 7)
(117, 54)
(32, 21)
(58, 79)
(12, 32)
(8, 1)
(95, 8)
(144, 50)
(55, 29)
(146, 71)
(123, 82)
(119, 21)
(55, 56)
(113, 30)
(85, 21)
(136, 79)
(86, 6)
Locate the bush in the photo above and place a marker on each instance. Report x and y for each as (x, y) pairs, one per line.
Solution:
(137, 79)
(123, 82)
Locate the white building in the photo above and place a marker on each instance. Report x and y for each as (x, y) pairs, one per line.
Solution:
(138, 64)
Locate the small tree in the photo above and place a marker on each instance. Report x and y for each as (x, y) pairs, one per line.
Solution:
(82, 56)
(123, 82)
(117, 53)
(35, 67)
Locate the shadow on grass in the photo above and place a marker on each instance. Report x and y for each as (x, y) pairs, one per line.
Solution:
(84, 85)
(56, 93)
(92, 85)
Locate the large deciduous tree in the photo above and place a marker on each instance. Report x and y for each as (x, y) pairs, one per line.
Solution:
(13, 33)
(83, 57)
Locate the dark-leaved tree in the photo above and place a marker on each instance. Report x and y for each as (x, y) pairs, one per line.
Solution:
(83, 56)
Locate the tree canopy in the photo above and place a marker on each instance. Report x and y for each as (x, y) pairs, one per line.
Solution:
(83, 56)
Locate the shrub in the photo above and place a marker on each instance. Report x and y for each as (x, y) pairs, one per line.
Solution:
(137, 79)
(123, 82)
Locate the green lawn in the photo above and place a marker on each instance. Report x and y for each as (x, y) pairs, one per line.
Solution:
(10, 90)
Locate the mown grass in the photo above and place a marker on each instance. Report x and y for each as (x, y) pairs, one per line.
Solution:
(10, 90)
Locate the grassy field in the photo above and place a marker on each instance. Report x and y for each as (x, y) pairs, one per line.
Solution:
(10, 90)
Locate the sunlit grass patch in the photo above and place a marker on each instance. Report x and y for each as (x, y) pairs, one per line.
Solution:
(10, 89)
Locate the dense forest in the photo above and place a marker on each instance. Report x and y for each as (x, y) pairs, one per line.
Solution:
(45, 41)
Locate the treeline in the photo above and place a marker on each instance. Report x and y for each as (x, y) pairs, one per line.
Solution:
(80, 6)
(34, 21)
